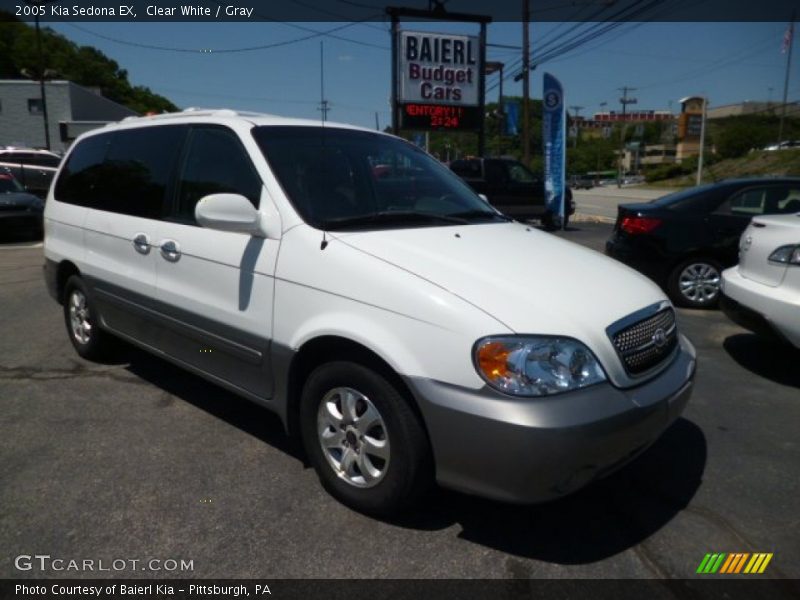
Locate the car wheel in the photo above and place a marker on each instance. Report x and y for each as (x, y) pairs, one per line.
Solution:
(366, 444)
(695, 283)
(80, 317)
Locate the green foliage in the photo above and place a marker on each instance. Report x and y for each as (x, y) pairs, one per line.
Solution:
(666, 171)
(591, 154)
(736, 136)
(83, 65)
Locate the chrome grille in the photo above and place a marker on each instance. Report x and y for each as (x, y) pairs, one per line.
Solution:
(647, 342)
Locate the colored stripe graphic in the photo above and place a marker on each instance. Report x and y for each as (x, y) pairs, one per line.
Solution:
(765, 563)
(727, 564)
(715, 567)
(740, 564)
(735, 562)
(703, 563)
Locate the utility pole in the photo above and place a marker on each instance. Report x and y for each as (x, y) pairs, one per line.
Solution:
(526, 67)
(323, 104)
(577, 109)
(624, 101)
(377, 123)
(38, 3)
(788, 48)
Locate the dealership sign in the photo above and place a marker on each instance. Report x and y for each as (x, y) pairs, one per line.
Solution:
(439, 80)
(439, 68)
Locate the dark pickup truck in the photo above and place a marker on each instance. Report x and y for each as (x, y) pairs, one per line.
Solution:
(510, 187)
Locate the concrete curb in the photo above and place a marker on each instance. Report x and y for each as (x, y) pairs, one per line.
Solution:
(583, 218)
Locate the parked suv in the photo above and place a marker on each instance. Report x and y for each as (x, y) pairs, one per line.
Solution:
(510, 187)
(408, 331)
(34, 169)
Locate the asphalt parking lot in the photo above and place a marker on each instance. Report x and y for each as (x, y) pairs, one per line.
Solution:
(136, 459)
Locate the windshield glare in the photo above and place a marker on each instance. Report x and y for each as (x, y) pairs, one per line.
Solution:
(339, 178)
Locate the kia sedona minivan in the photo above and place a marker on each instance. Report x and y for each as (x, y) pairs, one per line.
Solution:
(407, 331)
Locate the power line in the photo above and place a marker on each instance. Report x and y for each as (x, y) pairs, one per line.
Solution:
(313, 35)
(552, 50)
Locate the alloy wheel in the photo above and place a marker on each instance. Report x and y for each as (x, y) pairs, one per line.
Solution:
(353, 437)
(699, 283)
(79, 319)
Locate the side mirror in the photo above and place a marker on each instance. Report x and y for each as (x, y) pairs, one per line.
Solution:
(228, 212)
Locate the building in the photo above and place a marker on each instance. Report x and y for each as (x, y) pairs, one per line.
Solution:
(753, 108)
(632, 116)
(690, 127)
(636, 156)
(71, 110)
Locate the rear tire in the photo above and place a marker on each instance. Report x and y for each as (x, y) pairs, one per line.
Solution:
(367, 445)
(81, 319)
(695, 283)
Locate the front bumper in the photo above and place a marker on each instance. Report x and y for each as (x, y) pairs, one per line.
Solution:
(778, 308)
(527, 450)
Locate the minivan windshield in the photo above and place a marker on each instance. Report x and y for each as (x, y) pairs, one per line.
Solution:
(339, 179)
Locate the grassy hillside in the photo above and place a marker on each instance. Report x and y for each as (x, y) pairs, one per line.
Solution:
(753, 164)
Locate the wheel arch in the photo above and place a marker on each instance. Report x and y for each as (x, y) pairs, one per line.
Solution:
(326, 348)
(64, 271)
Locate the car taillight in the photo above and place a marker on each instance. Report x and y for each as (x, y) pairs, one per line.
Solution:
(636, 225)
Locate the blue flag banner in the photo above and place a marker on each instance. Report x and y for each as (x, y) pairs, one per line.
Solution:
(554, 123)
(512, 118)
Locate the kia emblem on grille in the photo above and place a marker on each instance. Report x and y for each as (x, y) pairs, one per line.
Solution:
(659, 338)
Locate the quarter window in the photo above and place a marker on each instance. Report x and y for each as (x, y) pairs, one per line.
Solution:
(215, 162)
(125, 172)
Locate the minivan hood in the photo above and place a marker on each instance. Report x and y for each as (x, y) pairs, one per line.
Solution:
(531, 281)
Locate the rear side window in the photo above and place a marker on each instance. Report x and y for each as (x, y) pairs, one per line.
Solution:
(215, 162)
(763, 201)
(126, 172)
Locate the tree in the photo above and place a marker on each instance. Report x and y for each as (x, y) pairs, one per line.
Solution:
(83, 65)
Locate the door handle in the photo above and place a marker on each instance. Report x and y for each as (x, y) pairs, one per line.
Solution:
(141, 243)
(170, 250)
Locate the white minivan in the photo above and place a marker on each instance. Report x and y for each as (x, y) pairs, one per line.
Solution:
(345, 279)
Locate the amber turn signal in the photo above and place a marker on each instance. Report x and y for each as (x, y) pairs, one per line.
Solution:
(493, 360)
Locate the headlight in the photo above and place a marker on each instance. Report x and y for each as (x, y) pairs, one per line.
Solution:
(786, 255)
(536, 365)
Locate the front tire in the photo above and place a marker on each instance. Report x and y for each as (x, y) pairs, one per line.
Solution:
(81, 319)
(695, 283)
(367, 445)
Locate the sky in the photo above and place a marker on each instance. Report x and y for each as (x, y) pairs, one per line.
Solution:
(727, 62)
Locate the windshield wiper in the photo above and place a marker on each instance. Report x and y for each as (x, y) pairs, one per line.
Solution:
(392, 217)
(477, 213)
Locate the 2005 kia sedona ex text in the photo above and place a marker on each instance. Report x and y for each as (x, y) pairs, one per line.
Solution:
(407, 331)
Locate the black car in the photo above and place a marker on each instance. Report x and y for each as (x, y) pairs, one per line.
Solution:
(33, 169)
(510, 187)
(20, 212)
(684, 240)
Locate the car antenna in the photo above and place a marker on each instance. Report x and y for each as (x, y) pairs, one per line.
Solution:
(324, 243)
